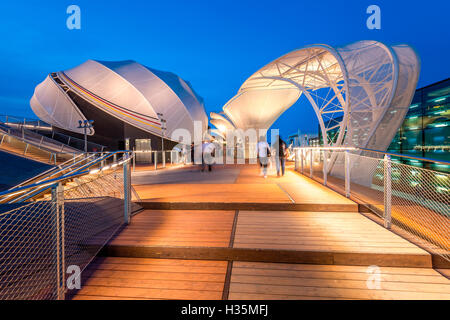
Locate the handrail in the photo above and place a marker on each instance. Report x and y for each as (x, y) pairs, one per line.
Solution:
(22, 123)
(60, 167)
(40, 147)
(374, 151)
(48, 183)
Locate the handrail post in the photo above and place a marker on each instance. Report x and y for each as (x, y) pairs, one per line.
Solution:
(163, 155)
(58, 207)
(126, 191)
(302, 156)
(310, 163)
(296, 160)
(347, 173)
(324, 167)
(155, 158)
(134, 160)
(387, 191)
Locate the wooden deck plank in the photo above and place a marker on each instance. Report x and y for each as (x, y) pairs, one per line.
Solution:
(314, 231)
(131, 278)
(284, 281)
(178, 228)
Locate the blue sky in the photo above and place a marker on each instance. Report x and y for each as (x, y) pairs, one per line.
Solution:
(215, 45)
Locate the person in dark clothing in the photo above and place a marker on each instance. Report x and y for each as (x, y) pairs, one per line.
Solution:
(192, 153)
(281, 156)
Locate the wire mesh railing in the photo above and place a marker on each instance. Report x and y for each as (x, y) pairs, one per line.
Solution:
(45, 245)
(412, 201)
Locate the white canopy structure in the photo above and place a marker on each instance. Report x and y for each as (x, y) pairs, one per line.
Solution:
(360, 92)
(125, 90)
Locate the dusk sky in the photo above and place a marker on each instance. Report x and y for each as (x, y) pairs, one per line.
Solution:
(215, 45)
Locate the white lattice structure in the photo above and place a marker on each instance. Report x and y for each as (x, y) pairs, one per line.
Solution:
(360, 92)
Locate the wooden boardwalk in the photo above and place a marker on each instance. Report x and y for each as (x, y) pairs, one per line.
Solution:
(257, 254)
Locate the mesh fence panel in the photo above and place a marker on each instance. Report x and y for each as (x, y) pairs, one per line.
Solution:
(40, 240)
(421, 206)
(28, 255)
(420, 198)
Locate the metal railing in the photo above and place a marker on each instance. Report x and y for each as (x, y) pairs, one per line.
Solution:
(411, 200)
(35, 149)
(77, 166)
(158, 159)
(46, 245)
(28, 123)
(30, 129)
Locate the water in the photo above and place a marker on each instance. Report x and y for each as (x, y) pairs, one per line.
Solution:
(15, 169)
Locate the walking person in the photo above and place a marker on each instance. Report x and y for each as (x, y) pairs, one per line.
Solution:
(263, 155)
(208, 153)
(192, 153)
(280, 157)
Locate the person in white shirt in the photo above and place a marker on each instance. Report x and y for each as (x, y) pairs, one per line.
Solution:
(263, 155)
(208, 153)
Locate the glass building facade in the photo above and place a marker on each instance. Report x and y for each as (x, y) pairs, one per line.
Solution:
(425, 132)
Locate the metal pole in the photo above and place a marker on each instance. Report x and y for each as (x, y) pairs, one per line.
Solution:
(58, 207)
(85, 139)
(311, 163)
(347, 173)
(155, 158)
(134, 159)
(324, 167)
(302, 155)
(296, 160)
(163, 154)
(126, 191)
(387, 191)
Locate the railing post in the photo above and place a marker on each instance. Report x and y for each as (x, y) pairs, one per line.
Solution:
(324, 167)
(163, 155)
(58, 207)
(126, 191)
(302, 155)
(155, 158)
(387, 191)
(347, 173)
(311, 163)
(296, 160)
(134, 160)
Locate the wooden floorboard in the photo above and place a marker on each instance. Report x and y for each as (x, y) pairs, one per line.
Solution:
(286, 281)
(131, 278)
(178, 228)
(318, 231)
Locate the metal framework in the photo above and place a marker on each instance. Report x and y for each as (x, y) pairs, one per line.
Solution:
(360, 92)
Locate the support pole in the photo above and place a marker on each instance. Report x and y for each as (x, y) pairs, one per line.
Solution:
(324, 167)
(302, 155)
(163, 155)
(347, 173)
(310, 163)
(387, 191)
(127, 190)
(58, 207)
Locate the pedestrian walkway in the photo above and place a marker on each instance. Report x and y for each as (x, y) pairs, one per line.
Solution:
(293, 239)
